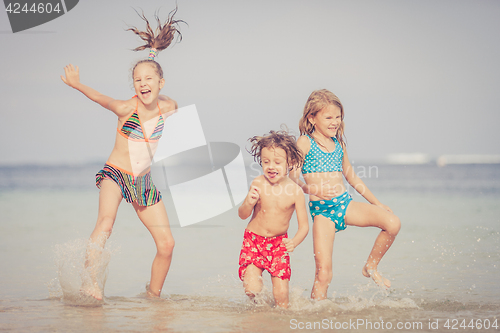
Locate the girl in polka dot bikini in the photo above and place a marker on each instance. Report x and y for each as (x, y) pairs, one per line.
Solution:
(331, 206)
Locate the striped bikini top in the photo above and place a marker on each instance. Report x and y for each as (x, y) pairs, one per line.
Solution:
(132, 128)
(317, 160)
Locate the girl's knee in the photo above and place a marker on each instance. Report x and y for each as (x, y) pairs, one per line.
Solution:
(324, 274)
(393, 225)
(166, 247)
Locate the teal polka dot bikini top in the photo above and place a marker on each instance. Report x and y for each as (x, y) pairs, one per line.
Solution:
(317, 160)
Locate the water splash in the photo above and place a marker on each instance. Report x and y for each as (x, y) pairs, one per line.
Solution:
(81, 265)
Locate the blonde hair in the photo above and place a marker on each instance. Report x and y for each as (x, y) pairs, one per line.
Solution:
(159, 39)
(279, 139)
(317, 101)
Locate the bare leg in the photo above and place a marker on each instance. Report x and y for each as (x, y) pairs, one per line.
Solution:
(323, 236)
(366, 215)
(252, 281)
(156, 221)
(110, 197)
(280, 291)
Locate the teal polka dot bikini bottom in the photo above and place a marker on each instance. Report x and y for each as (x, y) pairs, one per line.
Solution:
(333, 209)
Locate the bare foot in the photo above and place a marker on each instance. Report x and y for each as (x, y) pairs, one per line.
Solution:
(151, 294)
(92, 290)
(379, 279)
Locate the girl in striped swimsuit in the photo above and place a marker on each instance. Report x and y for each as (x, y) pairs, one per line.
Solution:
(126, 174)
(331, 206)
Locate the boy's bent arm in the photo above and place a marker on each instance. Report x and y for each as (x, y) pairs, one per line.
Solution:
(295, 176)
(301, 212)
(251, 199)
(324, 191)
(245, 210)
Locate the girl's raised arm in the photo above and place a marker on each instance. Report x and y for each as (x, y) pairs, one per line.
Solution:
(72, 79)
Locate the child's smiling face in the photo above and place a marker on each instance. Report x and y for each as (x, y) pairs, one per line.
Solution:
(274, 164)
(147, 83)
(327, 121)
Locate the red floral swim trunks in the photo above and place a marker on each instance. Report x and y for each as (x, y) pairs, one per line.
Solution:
(268, 253)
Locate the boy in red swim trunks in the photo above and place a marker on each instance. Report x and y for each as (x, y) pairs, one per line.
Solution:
(272, 198)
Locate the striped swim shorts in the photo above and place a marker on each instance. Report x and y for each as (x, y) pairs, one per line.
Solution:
(134, 188)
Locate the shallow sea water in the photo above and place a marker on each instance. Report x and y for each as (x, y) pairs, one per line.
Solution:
(444, 265)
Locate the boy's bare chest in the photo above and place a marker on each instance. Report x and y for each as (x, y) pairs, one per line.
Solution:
(276, 201)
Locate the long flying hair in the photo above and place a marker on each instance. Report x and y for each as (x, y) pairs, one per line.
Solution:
(318, 100)
(159, 39)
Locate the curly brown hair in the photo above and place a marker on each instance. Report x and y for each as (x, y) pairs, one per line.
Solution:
(159, 39)
(279, 139)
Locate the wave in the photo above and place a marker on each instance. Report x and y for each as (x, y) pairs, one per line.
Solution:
(468, 159)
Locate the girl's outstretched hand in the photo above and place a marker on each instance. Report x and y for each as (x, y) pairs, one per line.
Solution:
(72, 76)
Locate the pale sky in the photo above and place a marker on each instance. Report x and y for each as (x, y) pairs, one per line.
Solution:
(413, 76)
